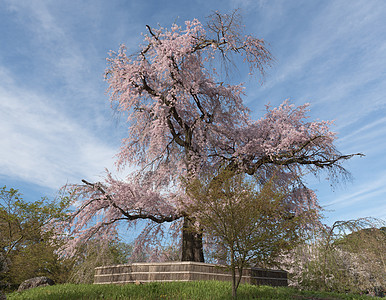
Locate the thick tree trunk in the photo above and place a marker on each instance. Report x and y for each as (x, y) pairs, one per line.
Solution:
(191, 243)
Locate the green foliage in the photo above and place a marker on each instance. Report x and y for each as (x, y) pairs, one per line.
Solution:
(251, 221)
(196, 290)
(25, 244)
(37, 259)
(28, 248)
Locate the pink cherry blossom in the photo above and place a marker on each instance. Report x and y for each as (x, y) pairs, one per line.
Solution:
(182, 120)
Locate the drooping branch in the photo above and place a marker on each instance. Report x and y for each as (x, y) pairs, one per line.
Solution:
(128, 216)
(184, 122)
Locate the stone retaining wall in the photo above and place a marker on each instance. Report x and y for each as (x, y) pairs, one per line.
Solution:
(183, 271)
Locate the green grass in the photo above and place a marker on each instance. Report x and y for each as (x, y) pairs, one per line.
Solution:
(199, 290)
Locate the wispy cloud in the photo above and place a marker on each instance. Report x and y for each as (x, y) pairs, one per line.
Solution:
(365, 190)
(363, 199)
(337, 61)
(55, 123)
(370, 136)
(52, 44)
(333, 55)
(44, 146)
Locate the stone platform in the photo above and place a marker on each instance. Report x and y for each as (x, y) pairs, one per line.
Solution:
(183, 271)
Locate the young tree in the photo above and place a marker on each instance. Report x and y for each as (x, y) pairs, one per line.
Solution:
(183, 120)
(255, 223)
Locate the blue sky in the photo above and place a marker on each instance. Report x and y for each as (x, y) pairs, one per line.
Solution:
(55, 119)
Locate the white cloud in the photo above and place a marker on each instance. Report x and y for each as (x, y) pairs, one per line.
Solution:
(54, 46)
(55, 123)
(339, 52)
(43, 145)
(54, 117)
(370, 134)
(369, 193)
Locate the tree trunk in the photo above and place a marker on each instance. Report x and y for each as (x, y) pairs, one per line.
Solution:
(221, 254)
(233, 268)
(191, 242)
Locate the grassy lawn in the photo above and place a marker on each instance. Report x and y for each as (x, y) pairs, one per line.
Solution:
(174, 290)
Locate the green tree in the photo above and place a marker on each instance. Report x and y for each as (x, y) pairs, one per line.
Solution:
(253, 222)
(3, 268)
(24, 241)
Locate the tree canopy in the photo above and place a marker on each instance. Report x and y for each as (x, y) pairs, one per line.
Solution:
(184, 119)
(250, 224)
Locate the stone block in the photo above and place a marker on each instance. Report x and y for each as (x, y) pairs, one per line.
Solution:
(184, 271)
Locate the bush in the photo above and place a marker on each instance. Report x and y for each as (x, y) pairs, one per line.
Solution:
(344, 258)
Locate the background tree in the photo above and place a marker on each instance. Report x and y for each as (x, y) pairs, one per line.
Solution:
(24, 241)
(3, 269)
(184, 120)
(347, 257)
(253, 222)
(96, 254)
